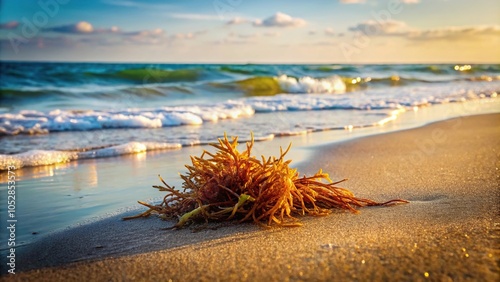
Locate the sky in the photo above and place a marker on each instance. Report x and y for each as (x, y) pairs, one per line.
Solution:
(251, 31)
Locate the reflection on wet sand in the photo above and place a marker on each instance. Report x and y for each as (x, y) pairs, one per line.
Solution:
(38, 171)
(85, 171)
(86, 177)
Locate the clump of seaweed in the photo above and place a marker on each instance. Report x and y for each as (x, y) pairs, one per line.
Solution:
(230, 184)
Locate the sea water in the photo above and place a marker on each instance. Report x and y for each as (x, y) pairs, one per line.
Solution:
(61, 112)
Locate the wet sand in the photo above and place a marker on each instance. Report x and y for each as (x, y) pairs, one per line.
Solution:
(449, 232)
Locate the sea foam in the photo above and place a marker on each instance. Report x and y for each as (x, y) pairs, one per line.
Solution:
(48, 157)
(33, 122)
(309, 84)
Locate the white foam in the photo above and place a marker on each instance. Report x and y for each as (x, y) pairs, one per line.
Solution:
(308, 84)
(173, 119)
(36, 158)
(127, 148)
(43, 157)
(392, 98)
(32, 122)
(129, 121)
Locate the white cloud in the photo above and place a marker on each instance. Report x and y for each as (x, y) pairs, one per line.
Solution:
(188, 35)
(236, 21)
(144, 33)
(329, 31)
(82, 27)
(79, 27)
(455, 32)
(183, 36)
(401, 29)
(154, 36)
(280, 20)
(390, 27)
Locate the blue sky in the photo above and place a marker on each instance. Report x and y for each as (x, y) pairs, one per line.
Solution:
(251, 31)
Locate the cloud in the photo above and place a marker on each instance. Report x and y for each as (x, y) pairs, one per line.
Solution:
(401, 29)
(280, 20)
(154, 36)
(188, 35)
(410, 1)
(82, 27)
(352, 1)
(9, 25)
(145, 33)
(390, 27)
(195, 17)
(329, 31)
(158, 36)
(77, 28)
(455, 33)
(236, 21)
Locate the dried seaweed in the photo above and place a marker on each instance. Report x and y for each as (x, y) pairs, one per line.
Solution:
(230, 184)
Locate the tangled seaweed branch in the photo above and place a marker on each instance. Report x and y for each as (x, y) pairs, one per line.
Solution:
(231, 184)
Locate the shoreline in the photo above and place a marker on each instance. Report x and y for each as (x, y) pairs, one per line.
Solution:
(395, 120)
(447, 231)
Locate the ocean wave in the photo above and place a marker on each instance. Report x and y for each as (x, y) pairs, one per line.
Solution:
(271, 85)
(332, 68)
(372, 108)
(36, 158)
(45, 157)
(34, 122)
(158, 75)
(23, 84)
(148, 75)
(251, 70)
(26, 94)
(309, 84)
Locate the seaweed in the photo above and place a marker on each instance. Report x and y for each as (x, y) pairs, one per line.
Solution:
(230, 184)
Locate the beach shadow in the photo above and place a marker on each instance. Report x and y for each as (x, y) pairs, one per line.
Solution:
(114, 237)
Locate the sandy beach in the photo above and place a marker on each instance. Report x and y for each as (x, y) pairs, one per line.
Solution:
(449, 232)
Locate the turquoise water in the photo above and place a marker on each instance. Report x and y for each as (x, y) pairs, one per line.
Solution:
(62, 112)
